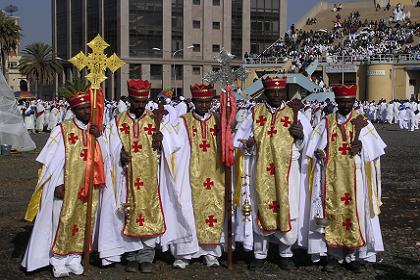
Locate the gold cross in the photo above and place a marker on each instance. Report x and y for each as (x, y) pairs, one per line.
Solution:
(317, 130)
(371, 131)
(97, 62)
(53, 139)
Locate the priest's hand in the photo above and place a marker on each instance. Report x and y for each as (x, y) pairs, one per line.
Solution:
(59, 192)
(95, 131)
(125, 158)
(157, 138)
(248, 143)
(296, 130)
(356, 147)
(320, 154)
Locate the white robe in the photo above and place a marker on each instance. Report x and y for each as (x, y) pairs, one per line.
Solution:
(121, 107)
(40, 117)
(52, 158)
(297, 181)
(373, 148)
(30, 118)
(53, 118)
(181, 108)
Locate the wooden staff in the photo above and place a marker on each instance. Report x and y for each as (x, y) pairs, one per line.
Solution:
(228, 195)
(88, 225)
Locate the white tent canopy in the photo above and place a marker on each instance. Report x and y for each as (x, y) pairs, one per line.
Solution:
(12, 129)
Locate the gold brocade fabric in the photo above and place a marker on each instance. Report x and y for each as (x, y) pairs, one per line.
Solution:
(340, 205)
(274, 142)
(35, 202)
(136, 136)
(70, 234)
(239, 173)
(207, 179)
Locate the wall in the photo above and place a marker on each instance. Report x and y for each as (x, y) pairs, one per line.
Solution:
(379, 82)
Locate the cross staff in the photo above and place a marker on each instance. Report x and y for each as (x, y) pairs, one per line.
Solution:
(228, 77)
(96, 63)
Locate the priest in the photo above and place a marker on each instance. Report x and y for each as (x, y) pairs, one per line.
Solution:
(142, 152)
(275, 133)
(205, 180)
(345, 196)
(59, 202)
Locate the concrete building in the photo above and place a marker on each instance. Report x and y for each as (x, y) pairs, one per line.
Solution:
(172, 43)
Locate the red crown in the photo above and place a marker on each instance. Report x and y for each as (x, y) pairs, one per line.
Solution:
(202, 91)
(138, 88)
(272, 83)
(79, 98)
(343, 91)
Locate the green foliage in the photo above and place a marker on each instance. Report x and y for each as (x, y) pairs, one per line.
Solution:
(9, 36)
(37, 63)
(72, 87)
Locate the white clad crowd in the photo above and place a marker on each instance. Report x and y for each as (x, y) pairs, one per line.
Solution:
(42, 116)
(404, 113)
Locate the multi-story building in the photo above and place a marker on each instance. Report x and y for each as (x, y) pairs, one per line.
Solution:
(172, 43)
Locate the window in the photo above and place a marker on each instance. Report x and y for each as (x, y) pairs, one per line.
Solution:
(196, 70)
(155, 72)
(216, 48)
(135, 71)
(216, 2)
(196, 48)
(196, 2)
(216, 69)
(267, 25)
(216, 25)
(196, 24)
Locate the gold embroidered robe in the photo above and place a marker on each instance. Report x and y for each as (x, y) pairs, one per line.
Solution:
(274, 143)
(340, 201)
(206, 179)
(70, 233)
(141, 176)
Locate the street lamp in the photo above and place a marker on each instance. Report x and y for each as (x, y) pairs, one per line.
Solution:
(173, 53)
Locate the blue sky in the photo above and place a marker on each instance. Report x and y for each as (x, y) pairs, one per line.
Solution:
(35, 16)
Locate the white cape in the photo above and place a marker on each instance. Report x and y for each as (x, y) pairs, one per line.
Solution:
(12, 128)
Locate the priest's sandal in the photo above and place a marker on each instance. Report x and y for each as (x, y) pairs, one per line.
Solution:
(131, 266)
(287, 264)
(355, 267)
(256, 265)
(146, 267)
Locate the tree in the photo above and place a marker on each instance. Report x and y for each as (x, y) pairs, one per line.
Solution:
(9, 38)
(38, 64)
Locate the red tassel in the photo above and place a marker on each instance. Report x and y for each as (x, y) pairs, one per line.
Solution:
(226, 123)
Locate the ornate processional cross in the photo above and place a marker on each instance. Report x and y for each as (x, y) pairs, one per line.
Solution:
(97, 62)
(226, 75)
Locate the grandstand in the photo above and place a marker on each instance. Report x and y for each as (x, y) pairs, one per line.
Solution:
(383, 58)
(325, 15)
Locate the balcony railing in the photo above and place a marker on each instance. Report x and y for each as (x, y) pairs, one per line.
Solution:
(375, 59)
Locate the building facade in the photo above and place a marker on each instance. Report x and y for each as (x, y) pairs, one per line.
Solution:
(172, 43)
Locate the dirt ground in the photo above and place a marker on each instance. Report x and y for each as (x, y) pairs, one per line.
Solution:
(400, 225)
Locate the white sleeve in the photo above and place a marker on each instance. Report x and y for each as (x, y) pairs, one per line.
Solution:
(245, 130)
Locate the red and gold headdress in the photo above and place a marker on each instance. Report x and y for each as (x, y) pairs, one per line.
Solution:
(344, 91)
(79, 98)
(274, 83)
(139, 89)
(202, 91)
